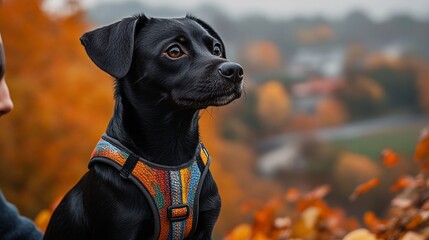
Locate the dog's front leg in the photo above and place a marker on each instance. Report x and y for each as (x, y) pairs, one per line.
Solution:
(69, 220)
(116, 208)
(206, 223)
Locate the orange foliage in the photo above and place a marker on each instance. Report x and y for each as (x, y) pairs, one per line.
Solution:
(262, 56)
(389, 157)
(319, 33)
(274, 105)
(422, 150)
(309, 216)
(355, 167)
(43, 217)
(229, 189)
(373, 223)
(402, 183)
(313, 198)
(331, 112)
(292, 195)
(248, 205)
(364, 187)
(370, 88)
(62, 104)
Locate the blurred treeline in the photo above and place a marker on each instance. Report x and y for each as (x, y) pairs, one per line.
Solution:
(62, 104)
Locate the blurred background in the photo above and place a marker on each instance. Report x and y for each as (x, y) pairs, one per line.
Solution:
(329, 84)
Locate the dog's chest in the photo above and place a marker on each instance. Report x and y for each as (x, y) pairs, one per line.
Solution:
(172, 192)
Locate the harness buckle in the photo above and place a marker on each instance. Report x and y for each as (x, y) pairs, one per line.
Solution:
(178, 212)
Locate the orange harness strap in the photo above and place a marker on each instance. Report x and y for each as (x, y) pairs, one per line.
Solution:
(172, 192)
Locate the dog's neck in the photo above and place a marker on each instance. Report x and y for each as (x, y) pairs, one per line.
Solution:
(156, 131)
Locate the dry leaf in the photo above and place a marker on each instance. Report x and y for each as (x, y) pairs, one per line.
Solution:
(292, 195)
(417, 220)
(284, 222)
(373, 222)
(310, 216)
(389, 157)
(402, 203)
(248, 205)
(319, 192)
(422, 149)
(401, 183)
(412, 236)
(241, 232)
(263, 219)
(360, 234)
(414, 222)
(364, 187)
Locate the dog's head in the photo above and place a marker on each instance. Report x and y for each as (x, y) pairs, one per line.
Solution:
(184, 60)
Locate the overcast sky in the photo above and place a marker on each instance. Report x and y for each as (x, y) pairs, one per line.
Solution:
(378, 9)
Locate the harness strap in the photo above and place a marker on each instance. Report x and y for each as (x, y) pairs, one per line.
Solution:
(129, 166)
(172, 192)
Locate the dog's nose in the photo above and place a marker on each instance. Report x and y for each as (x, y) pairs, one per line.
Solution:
(231, 71)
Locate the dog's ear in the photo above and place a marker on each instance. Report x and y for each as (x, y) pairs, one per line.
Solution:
(210, 30)
(111, 47)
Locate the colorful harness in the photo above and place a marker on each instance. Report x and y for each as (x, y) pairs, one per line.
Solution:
(172, 192)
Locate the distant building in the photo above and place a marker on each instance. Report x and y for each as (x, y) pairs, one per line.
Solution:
(307, 94)
(309, 62)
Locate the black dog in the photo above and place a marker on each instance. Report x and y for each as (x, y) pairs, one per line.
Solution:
(166, 70)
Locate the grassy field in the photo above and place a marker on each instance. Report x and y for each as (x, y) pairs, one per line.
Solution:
(401, 139)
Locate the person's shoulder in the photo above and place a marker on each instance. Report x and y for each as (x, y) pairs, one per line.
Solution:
(13, 225)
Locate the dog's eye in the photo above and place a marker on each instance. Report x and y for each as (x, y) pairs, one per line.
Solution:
(174, 52)
(217, 51)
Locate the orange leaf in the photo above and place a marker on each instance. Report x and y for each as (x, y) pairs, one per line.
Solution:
(292, 195)
(401, 183)
(401, 202)
(359, 234)
(319, 192)
(42, 219)
(414, 222)
(313, 198)
(389, 157)
(264, 218)
(249, 205)
(374, 223)
(422, 149)
(243, 231)
(364, 187)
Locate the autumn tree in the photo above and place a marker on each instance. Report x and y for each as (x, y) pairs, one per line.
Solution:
(274, 105)
(62, 104)
(261, 56)
(315, 34)
(331, 111)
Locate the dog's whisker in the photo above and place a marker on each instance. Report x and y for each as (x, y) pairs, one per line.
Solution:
(139, 79)
(164, 96)
(210, 113)
(244, 95)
